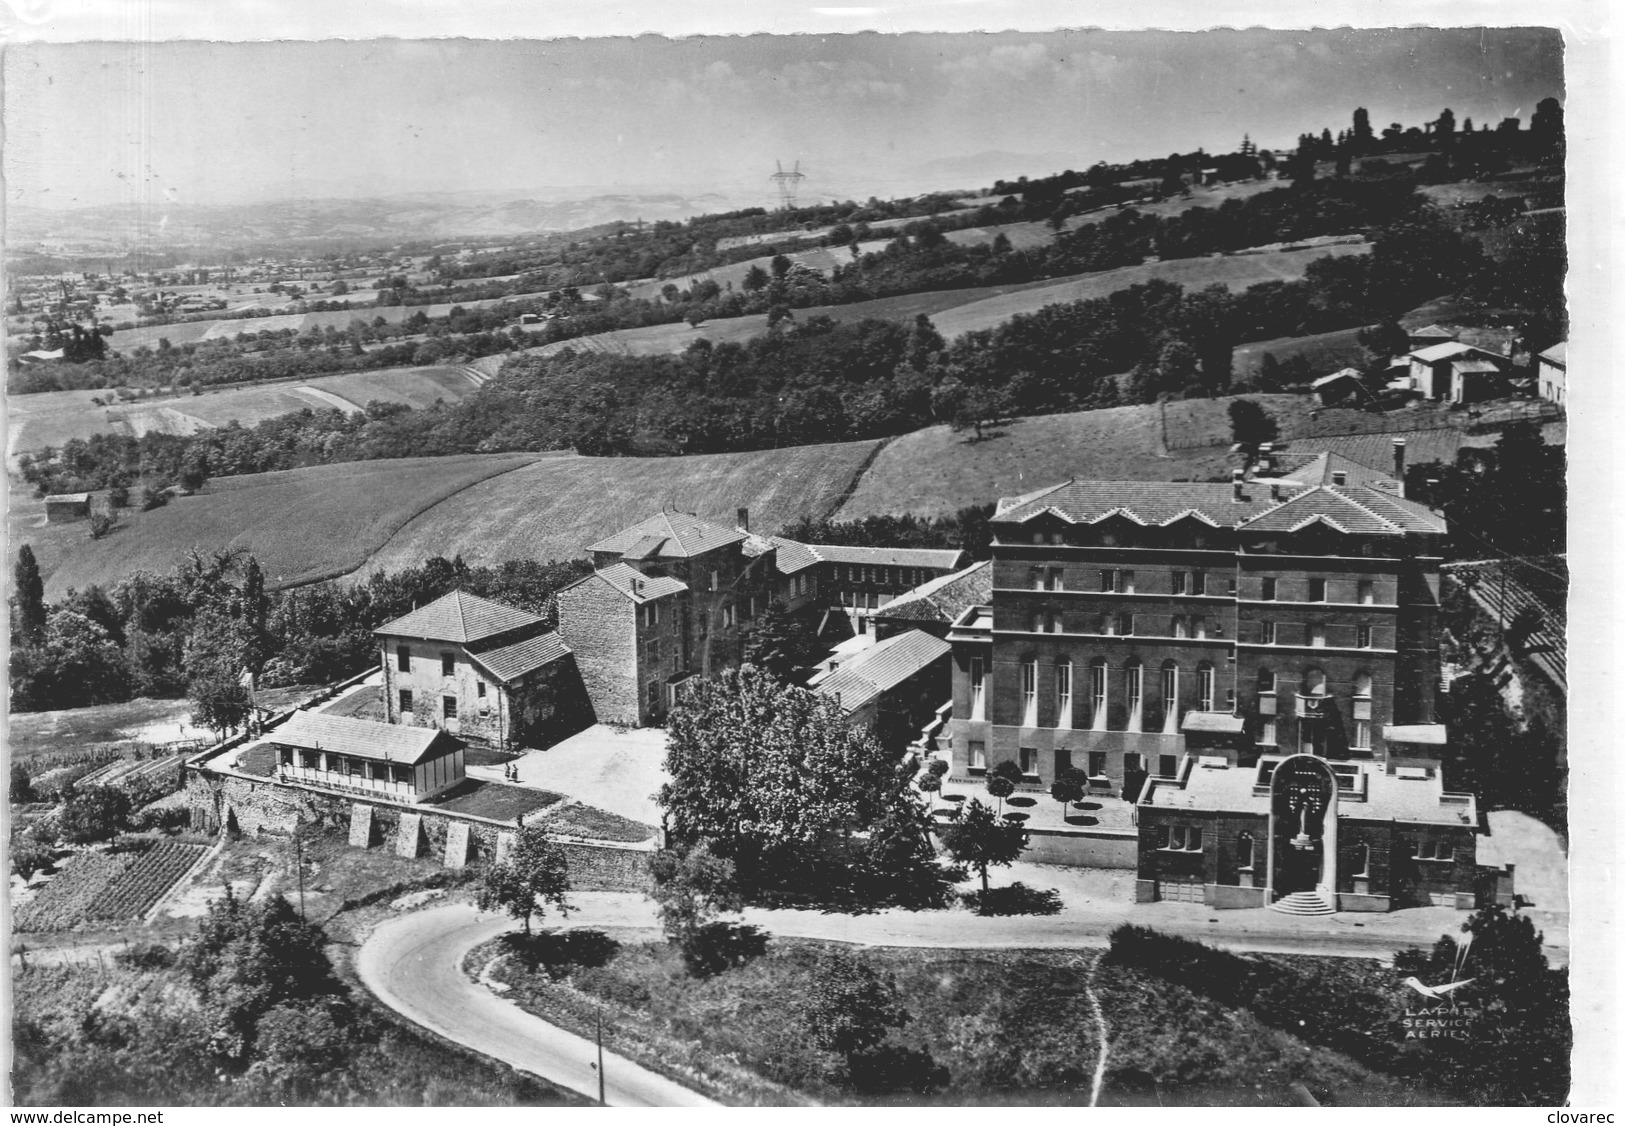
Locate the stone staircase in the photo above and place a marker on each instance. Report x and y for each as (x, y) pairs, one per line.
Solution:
(1304, 903)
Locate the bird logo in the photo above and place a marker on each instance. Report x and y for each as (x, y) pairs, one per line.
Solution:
(1437, 992)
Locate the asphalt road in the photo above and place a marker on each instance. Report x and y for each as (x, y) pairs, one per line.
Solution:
(414, 965)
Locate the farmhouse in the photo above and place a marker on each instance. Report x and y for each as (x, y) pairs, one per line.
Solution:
(481, 670)
(1227, 658)
(1339, 386)
(63, 508)
(362, 757)
(1460, 372)
(1554, 373)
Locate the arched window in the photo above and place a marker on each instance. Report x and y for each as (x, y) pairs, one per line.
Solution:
(1170, 698)
(1244, 851)
(1063, 693)
(1204, 687)
(1134, 686)
(1311, 709)
(1097, 694)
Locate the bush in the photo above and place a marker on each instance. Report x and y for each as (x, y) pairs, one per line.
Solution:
(716, 947)
(894, 1067)
(145, 956)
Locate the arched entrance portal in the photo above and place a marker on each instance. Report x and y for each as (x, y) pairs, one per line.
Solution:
(1303, 829)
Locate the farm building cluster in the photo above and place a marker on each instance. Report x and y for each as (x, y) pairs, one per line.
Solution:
(1244, 675)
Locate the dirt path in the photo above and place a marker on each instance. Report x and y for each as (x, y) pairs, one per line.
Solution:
(1101, 1030)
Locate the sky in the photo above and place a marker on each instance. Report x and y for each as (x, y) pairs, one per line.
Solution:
(196, 122)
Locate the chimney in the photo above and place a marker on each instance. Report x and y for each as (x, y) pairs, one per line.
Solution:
(744, 519)
(1399, 464)
(637, 586)
(1275, 490)
(1235, 485)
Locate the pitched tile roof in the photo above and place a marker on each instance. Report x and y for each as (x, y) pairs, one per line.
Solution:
(1431, 331)
(882, 667)
(363, 738)
(1329, 506)
(510, 662)
(669, 535)
(1319, 470)
(459, 617)
(1436, 352)
(1558, 353)
(945, 597)
(1475, 366)
(635, 584)
(1144, 502)
(794, 556)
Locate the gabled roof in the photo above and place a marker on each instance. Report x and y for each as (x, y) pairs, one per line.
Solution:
(1354, 511)
(1431, 332)
(635, 584)
(1557, 354)
(363, 738)
(882, 667)
(794, 556)
(1345, 373)
(1469, 367)
(1436, 352)
(945, 597)
(1318, 470)
(459, 617)
(669, 535)
(1143, 502)
(510, 662)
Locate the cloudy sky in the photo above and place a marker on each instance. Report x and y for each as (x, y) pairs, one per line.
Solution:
(203, 122)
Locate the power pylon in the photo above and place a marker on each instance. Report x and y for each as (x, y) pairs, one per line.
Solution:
(788, 183)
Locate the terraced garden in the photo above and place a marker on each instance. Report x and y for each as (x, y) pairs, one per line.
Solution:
(106, 887)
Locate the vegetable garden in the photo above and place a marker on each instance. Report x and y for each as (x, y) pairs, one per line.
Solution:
(108, 886)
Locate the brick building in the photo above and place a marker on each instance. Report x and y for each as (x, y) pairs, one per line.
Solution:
(481, 670)
(847, 586)
(1170, 639)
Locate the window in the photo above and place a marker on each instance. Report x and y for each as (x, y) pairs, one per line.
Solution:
(1367, 595)
(1133, 763)
(1027, 759)
(1199, 627)
(401, 774)
(1063, 694)
(1362, 860)
(654, 695)
(1441, 849)
(716, 583)
(448, 664)
(309, 759)
(1317, 590)
(1317, 635)
(1097, 695)
(1029, 693)
(1361, 740)
(1035, 578)
(403, 658)
(1127, 624)
(1057, 538)
(479, 689)
(1266, 681)
(1204, 688)
(1181, 582)
(354, 767)
(978, 756)
(335, 763)
(1362, 636)
(1097, 764)
(406, 700)
(1055, 624)
(727, 617)
(1339, 477)
(1177, 626)
(1108, 581)
(651, 613)
(1181, 838)
(1244, 851)
(1266, 732)
(1125, 582)
(1036, 625)
(1266, 633)
(1038, 537)
(1170, 699)
(448, 707)
(1057, 579)
(978, 689)
(1134, 685)
(284, 756)
(1199, 582)
(1267, 593)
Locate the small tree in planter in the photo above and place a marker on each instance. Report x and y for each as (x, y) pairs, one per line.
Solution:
(1001, 781)
(1069, 786)
(929, 784)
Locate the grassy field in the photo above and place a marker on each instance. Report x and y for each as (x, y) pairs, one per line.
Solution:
(1238, 271)
(1325, 351)
(554, 508)
(957, 311)
(55, 417)
(301, 524)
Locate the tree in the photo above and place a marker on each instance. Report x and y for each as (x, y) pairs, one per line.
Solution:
(533, 876)
(218, 651)
(21, 787)
(1069, 786)
(1361, 135)
(982, 840)
(849, 1008)
(692, 889)
(101, 523)
(95, 813)
(28, 597)
(1250, 424)
(1002, 781)
(755, 279)
(781, 642)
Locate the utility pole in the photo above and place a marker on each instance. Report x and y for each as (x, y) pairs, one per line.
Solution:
(299, 863)
(601, 1101)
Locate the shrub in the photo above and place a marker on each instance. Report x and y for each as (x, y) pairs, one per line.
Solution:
(145, 956)
(716, 947)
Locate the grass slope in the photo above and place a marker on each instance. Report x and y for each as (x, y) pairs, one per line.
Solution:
(554, 508)
(934, 472)
(302, 524)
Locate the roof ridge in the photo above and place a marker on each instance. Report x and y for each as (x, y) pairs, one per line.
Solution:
(1373, 513)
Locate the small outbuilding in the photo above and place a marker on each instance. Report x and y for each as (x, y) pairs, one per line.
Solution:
(64, 508)
(364, 757)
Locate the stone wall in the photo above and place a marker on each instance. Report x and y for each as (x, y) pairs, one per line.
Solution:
(596, 622)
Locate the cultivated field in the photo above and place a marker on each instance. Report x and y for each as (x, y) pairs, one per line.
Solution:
(554, 508)
(108, 887)
(302, 524)
(53, 418)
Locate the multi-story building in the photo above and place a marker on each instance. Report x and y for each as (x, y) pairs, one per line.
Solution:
(479, 669)
(1147, 633)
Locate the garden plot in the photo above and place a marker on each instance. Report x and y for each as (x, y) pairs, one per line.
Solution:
(108, 886)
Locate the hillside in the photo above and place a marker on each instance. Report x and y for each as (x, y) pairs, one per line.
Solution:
(324, 521)
(52, 418)
(302, 524)
(554, 508)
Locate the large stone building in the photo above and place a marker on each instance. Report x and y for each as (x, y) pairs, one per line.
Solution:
(1217, 654)
(481, 670)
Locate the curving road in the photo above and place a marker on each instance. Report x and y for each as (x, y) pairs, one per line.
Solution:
(414, 965)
